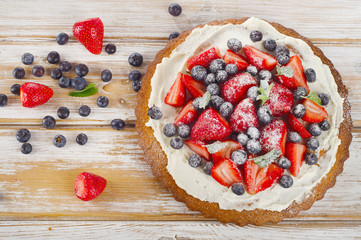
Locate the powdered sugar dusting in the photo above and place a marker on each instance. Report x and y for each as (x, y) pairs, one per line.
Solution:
(244, 116)
(236, 88)
(272, 134)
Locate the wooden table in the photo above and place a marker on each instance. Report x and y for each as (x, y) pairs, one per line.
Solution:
(36, 191)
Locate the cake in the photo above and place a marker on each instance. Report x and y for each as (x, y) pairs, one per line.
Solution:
(269, 145)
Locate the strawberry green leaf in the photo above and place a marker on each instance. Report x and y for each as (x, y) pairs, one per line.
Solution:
(91, 89)
(285, 71)
(215, 147)
(266, 159)
(204, 100)
(313, 97)
(264, 91)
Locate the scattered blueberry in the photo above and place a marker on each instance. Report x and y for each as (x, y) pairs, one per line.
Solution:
(169, 130)
(15, 89)
(64, 82)
(81, 69)
(253, 133)
(294, 137)
(56, 73)
(234, 44)
(286, 181)
(3, 100)
(176, 143)
(18, 73)
(270, 44)
(78, 83)
(65, 66)
(282, 50)
(237, 188)
(310, 75)
(184, 131)
(84, 111)
(102, 101)
(216, 65)
(135, 75)
(324, 98)
(282, 55)
(195, 160)
(117, 124)
(252, 93)
(231, 69)
(155, 113)
(175, 9)
(27, 58)
(207, 168)
(63, 112)
(173, 35)
(198, 73)
(311, 158)
(298, 111)
(314, 129)
(299, 93)
(48, 122)
(62, 38)
(38, 71)
(284, 163)
(23, 135)
(136, 85)
(226, 109)
(135, 59)
(253, 146)
(216, 102)
(81, 139)
(242, 139)
(26, 148)
(221, 76)
(264, 114)
(59, 141)
(325, 125)
(53, 57)
(110, 48)
(252, 70)
(239, 157)
(210, 78)
(106, 75)
(265, 75)
(213, 89)
(312, 144)
(256, 36)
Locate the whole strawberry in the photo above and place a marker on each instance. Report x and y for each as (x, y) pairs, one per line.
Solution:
(34, 94)
(88, 186)
(90, 33)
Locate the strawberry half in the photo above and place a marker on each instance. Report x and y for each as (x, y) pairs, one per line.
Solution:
(298, 79)
(280, 100)
(195, 88)
(244, 116)
(235, 89)
(259, 59)
(273, 136)
(232, 57)
(314, 112)
(227, 151)
(296, 125)
(90, 33)
(226, 173)
(295, 152)
(204, 59)
(187, 114)
(34, 94)
(197, 147)
(210, 126)
(88, 186)
(177, 93)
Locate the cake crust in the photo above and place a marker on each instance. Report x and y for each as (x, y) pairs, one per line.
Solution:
(158, 161)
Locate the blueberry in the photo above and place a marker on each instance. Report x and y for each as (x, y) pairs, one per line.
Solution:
(155, 113)
(18, 73)
(53, 57)
(270, 44)
(110, 48)
(102, 101)
(253, 133)
(65, 66)
(26, 148)
(239, 157)
(175, 9)
(195, 160)
(284, 163)
(15, 89)
(64, 82)
(252, 70)
(226, 109)
(59, 141)
(63, 112)
(48, 122)
(264, 114)
(298, 111)
(314, 129)
(23, 135)
(213, 89)
(234, 44)
(106, 75)
(242, 139)
(286, 181)
(198, 73)
(312, 144)
(136, 85)
(253, 146)
(231, 69)
(173, 35)
(196, 103)
(237, 188)
(56, 73)
(3, 100)
(135, 59)
(294, 137)
(324, 98)
(216, 102)
(176, 143)
(216, 65)
(135, 75)
(184, 131)
(62, 38)
(256, 36)
(169, 130)
(265, 75)
(81, 69)
(27, 58)
(38, 71)
(84, 111)
(325, 125)
(117, 124)
(221, 76)
(311, 158)
(282, 50)
(78, 83)
(282, 55)
(81, 139)
(210, 78)
(310, 75)
(208, 167)
(299, 93)
(252, 93)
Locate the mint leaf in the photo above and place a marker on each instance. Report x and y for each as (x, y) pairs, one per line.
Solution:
(267, 158)
(215, 147)
(313, 97)
(91, 89)
(285, 71)
(264, 91)
(204, 100)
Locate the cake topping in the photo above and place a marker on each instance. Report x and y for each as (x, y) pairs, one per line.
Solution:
(155, 113)
(286, 181)
(234, 44)
(198, 72)
(295, 152)
(237, 188)
(270, 44)
(267, 158)
(176, 143)
(310, 75)
(256, 36)
(311, 158)
(195, 160)
(169, 130)
(283, 162)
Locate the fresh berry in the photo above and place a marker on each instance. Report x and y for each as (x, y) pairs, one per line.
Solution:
(216, 64)
(187, 114)
(296, 125)
(204, 59)
(298, 111)
(173, 35)
(221, 76)
(106, 75)
(325, 125)
(195, 88)
(312, 144)
(237, 86)
(314, 112)
(48, 122)
(264, 115)
(3, 100)
(78, 83)
(195, 160)
(311, 158)
(175, 9)
(231, 69)
(252, 70)
(294, 137)
(90, 33)
(213, 89)
(295, 152)
(226, 109)
(243, 116)
(210, 78)
(270, 44)
(216, 102)
(56, 73)
(64, 82)
(237, 188)
(81, 69)
(184, 131)
(242, 139)
(226, 173)
(81, 139)
(265, 75)
(135, 75)
(253, 146)
(239, 157)
(169, 130)
(135, 59)
(136, 85)
(282, 55)
(310, 75)
(15, 89)
(176, 143)
(259, 59)
(286, 181)
(102, 101)
(155, 113)
(210, 126)
(34, 94)
(273, 136)
(63, 112)
(27, 58)
(88, 186)
(234, 44)
(197, 146)
(324, 98)
(196, 104)
(59, 141)
(208, 167)
(314, 129)
(23, 135)
(233, 58)
(256, 36)
(110, 48)
(298, 77)
(280, 100)
(53, 57)
(252, 93)
(198, 73)
(299, 93)
(26, 148)
(253, 133)
(65, 66)
(62, 38)
(18, 73)
(227, 151)
(284, 163)
(84, 111)
(117, 124)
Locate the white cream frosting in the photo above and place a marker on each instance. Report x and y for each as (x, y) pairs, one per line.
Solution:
(193, 180)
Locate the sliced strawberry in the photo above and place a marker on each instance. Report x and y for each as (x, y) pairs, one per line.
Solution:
(204, 59)
(298, 79)
(314, 112)
(295, 152)
(177, 93)
(210, 126)
(244, 116)
(90, 33)
(187, 114)
(197, 147)
(260, 59)
(195, 88)
(235, 89)
(289, 82)
(280, 100)
(296, 125)
(88, 186)
(226, 172)
(34, 94)
(273, 136)
(258, 179)
(227, 151)
(232, 57)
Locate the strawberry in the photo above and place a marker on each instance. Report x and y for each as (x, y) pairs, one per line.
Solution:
(90, 33)
(236, 87)
(34, 94)
(88, 186)
(210, 126)
(296, 125)
(227, 151)
(187, 114)
(195, 88)
(298, 79)
(258, 179)
(280, 100)
(226, 172)
(260, 59)
(314, 112)
(232, 57)
(204, 59)
(177, 93)
(197, 147)
(244, 116)
(295, 152)
(273, 136)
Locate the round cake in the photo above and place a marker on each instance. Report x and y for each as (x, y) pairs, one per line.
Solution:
(244, 120)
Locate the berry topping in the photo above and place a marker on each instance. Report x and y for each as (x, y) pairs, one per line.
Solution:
(282, 55)
(298, 111)
(195, 160)
(236, 87)
(81, 70)
(226, 109)
(110, 48)
(184, 131)
(216, 102)
(90, 33)
(204, 59)
(325, 125)
(88, 186)
(310, 75)
(176, 143)
(324, 98)
(81, 139)
(175, 9)
(15, 89)
(295, 153)
(56, 73)
(252, 70)
(231, 69)
(3, 100)
(23, 135)
(84, 111)
(311, 158)
(284, 163)
(198, 73)
(34, 94)
(253, 132)
(53, 57)
(242, 139)
(213, 89)
(299, 93)
(239, 157)
(296, 125)
(280, 100)
(286, 181)
(65, 66)
(198, 147)
(234, 44)
(237, 188)
(64, 82)
(38, 71)
(187, 114)
(233, 58)
(210, 78)
(195, 88)
(259, 59)
(62, 38)
(63, 112)
(215, 65)
(117, 124)
(78, 83)
(18, 73)
(48, 122)
(226, 173)
(256, 36)
(27, 58)
(26, 148)
(273, 136)
(265, 75)
(254, 146)
(155, 113)
(136, 85)
(314, 112)
(294, 137)
(227, 147)
(102, 101)
(135, 75)
(298, 77)
(270, 44)
(312, 144)
(243, 116)
(264, 114)
(135, 59)
(314, 129)
(208, 167)
(252, 93)
(59, 141)
(173, 35)
(221, 76)
(106, 75)
(170, 130)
